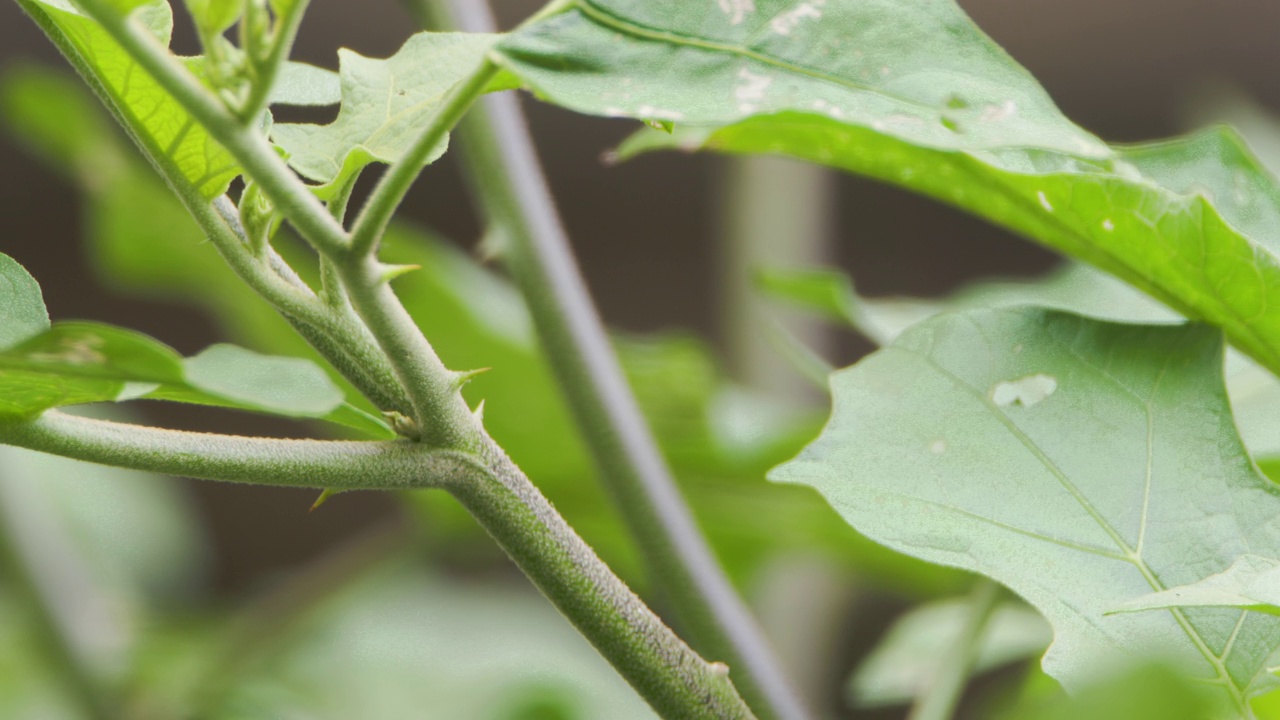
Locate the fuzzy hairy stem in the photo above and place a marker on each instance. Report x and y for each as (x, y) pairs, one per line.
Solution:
(674, 679)
(319, 464)
(246, 144)
(454, 451)
(394, 185)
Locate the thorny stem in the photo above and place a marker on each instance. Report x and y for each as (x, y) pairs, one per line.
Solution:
(320, 464)
(508, 181)
(245, 143)
(391, 189)
(455, 453)
(282, 37)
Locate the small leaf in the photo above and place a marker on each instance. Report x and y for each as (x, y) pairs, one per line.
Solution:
(156, 120)
(827, 292)
(1251, 583)
(279, 385)
(301, 84)
(385, 104)
(1126, 478)
(22, 311)
(73, 363)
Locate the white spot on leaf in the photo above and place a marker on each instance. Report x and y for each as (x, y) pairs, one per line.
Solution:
(737, 10)
(1044, 201)
(995, 113)
(1026, 391)
(751, 91)
(938, 447)
(1108, 225)
(786, 22)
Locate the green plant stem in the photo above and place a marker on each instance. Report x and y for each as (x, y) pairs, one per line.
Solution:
(940, 699)
(286, 30)
(319, 464)
(391, 189)
(675, 680)
(332, 329)
(45, 629)
(338, 336)
(443, 418)
(668, 674)
(246, 144)
(507, 180)
(664, 670)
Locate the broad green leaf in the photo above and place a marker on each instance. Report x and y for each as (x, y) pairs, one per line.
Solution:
(231, 376)
(913, 94)
(1082, 463)
(1077, 288)
(911, 655)
(1251, 583)
(22, 311)
(306, 85)
(385, 104)
(282, 385)
(920, 70)
(154, 118)
(73, 363)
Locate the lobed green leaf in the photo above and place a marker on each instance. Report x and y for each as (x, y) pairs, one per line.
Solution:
(154, 118)
(912, 93)
(1082, 463)
(385, 104)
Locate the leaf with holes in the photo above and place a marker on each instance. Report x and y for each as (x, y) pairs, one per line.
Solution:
(913, 93)
(385, 105)
(1082, 463)
(154, 118)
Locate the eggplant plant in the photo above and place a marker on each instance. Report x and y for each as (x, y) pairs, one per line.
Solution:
(1091, 447)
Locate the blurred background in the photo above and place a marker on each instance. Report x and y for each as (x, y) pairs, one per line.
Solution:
(661, 241)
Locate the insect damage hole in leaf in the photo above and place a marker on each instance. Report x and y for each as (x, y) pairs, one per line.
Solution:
(1133, 482)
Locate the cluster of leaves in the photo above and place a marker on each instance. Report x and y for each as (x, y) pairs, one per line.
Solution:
(1101, 467)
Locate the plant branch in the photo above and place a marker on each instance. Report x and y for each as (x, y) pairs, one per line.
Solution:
(676, 682)
(940, 699)
(282, 37)
(391, 189)
(319, 464)
(442, 416)
(507, 180)
(334, 331)
(246, 144)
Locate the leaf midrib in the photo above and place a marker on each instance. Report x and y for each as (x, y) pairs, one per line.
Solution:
(1217, 663)
(630, 27)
